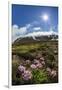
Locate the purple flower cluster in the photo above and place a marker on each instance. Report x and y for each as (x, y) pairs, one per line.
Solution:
(42, 58)
(33, 66)
(51, 72)
(48, 70)
(27, 75)
(21, 68)
(38, 63)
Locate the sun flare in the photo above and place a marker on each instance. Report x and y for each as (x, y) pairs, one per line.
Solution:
(45, 17)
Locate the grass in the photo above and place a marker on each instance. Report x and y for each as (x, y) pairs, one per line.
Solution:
(29, 51)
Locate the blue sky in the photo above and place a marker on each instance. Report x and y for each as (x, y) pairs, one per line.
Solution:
(27, 19)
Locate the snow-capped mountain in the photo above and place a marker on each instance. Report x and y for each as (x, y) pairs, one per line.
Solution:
(37, 36)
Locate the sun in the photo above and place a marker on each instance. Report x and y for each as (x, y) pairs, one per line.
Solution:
(45, 17)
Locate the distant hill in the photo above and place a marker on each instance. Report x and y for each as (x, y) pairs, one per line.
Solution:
(32, 39)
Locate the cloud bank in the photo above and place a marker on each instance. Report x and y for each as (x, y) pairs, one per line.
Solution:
(25, 31)
(17, 32)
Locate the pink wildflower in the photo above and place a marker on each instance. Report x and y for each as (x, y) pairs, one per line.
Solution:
(39, 65)
(21, 68)
(27, 75)
(33, 66)
(42, 59)
(48, 70)
(53, 73)
(43, 63)
(36, 61)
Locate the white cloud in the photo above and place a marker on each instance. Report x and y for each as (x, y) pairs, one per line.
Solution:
(14, 31)
(40, 33)
(28, 26)
(18, 32)
(37, 28)
(22, 30)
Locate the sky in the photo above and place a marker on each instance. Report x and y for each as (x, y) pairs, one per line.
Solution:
(29, 20)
